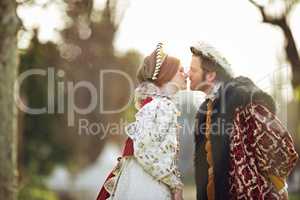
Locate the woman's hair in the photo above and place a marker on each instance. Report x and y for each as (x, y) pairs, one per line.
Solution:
(167, 71)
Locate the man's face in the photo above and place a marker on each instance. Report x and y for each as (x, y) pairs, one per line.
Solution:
(196, 74)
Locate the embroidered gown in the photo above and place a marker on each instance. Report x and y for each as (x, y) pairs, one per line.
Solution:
(148, 168)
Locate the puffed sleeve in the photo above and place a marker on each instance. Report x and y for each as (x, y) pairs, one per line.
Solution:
(155, 141)
(274, 147)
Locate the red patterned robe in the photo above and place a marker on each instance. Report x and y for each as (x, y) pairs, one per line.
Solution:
(260, 146)
(248, 144)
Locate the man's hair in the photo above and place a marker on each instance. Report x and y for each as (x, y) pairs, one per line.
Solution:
(209, 65)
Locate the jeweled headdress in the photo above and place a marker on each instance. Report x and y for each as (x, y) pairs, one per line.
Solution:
(159, 59)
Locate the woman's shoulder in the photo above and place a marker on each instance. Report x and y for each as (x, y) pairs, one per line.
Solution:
(159, 103)
(160, 110)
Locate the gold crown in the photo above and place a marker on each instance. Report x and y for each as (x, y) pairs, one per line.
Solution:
(159, 59)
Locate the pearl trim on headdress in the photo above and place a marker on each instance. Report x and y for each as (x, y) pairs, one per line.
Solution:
(210, 52)
(159, 59)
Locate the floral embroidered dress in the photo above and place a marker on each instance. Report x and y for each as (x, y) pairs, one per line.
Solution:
(148, 167)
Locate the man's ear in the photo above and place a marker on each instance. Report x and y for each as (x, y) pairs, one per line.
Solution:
(211, 77)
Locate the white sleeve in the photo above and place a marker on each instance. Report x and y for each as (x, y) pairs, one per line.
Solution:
(155, 140)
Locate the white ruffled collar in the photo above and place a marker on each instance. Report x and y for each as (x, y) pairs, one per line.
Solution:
(214, 92)
(148, 89)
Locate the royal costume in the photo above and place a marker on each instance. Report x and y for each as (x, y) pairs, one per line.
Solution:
(242, 151)
(148, 168)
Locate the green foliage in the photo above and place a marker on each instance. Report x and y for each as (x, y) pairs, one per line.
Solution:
(46, 141)
(297, 93)
(36, 190)
(41, 151)
(297, 97)
(294, 196)
(129, 114)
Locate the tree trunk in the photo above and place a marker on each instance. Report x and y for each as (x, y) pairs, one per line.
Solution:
(291, 51)
(9, 25)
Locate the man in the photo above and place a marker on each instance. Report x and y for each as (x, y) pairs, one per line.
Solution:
(241, 149)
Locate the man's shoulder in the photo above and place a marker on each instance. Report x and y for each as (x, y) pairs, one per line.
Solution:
(241, 91)
(238, 89)
(239, 83)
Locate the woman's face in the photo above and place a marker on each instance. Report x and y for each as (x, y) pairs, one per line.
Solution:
(180, 78)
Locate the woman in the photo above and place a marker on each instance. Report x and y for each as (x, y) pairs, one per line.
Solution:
(148, 168)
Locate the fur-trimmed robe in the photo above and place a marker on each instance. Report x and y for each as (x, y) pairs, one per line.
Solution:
(248, 144)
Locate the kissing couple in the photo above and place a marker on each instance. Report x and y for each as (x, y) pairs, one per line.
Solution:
(252, 160)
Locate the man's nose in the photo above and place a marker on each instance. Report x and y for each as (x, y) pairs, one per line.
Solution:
(188, 73)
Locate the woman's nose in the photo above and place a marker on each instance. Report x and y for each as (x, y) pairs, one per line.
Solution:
(186, 75)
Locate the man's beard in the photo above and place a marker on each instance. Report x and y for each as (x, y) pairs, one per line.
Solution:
(203, 85)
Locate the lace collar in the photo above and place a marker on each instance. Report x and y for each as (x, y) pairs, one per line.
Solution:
(212, 95)
(148, 89)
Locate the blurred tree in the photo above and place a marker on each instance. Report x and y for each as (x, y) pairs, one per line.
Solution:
(276, 12)
(42, 150)
(279, 18)
(39, 149)
(9, 25)
(85, 49)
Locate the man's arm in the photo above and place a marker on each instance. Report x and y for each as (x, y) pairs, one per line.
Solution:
(275, 149)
